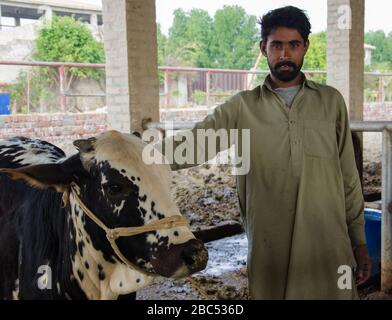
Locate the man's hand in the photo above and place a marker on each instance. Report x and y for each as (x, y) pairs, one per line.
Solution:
(364, 264)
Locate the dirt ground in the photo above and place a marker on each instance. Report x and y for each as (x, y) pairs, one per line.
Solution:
(372, 162)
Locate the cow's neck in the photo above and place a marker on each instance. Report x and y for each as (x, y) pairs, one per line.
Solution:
(98, 277)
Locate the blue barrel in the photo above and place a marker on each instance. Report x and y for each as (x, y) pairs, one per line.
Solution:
(373, 237)
(5, 103)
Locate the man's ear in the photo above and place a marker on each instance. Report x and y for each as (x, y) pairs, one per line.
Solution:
(55, 176)
(263, 47)
(307, 45)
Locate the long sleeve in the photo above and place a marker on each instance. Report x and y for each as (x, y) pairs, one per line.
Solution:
(354, 201)
(191, 148)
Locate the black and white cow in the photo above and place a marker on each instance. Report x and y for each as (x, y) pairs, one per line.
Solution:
(49, 247)
(19, 152)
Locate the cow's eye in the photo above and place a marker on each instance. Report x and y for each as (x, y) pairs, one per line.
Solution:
(114, 189)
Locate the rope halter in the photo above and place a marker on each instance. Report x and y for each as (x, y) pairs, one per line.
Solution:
(113, 234)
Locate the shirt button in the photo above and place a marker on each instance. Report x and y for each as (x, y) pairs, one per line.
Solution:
(292, 122)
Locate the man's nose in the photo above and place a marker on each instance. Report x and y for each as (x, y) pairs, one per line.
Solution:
(284, 53)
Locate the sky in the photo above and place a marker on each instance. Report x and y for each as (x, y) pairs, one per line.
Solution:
(377, 14)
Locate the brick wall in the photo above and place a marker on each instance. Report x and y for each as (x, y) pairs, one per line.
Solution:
(59, 127)
(55, 128)
(185, 114)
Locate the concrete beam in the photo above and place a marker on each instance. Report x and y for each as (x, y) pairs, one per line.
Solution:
(131, 63)
(345, 52)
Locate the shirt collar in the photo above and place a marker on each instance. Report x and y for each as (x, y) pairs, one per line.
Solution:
(308, 83)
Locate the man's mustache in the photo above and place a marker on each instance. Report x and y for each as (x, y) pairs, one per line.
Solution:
(285, 63)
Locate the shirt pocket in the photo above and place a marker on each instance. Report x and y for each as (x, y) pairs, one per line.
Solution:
(320, 138)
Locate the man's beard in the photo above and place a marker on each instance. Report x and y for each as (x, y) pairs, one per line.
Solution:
(286, 75)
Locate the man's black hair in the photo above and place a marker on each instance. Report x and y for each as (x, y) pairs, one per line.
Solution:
(289, 17)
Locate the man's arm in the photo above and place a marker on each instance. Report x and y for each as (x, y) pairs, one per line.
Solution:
(221, 120)
(353, 195)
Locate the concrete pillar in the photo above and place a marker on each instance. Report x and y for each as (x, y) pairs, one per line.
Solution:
(17, 21)
(182, 90)
(132, 83)
(94, 20)
(47, 11)
(345, 52)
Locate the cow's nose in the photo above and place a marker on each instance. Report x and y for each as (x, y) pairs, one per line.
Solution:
(195, 255)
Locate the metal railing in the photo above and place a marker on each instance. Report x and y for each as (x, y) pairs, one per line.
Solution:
(385, 127)
(217, 84)
(206, 86)
(61, 70)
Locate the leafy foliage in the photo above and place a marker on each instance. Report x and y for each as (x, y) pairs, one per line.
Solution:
(189, 38)
(382, 56)
(65, 39)
(32, 92)
(235, 38)
(228, 40)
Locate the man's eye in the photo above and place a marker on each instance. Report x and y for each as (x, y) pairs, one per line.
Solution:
(114, 189)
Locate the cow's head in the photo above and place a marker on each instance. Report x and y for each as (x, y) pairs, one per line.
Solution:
(122, 191)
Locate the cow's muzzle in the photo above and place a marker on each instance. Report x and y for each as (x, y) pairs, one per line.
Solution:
(180, 260)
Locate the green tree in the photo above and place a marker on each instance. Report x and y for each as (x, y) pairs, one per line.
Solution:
(316, 57)
(235, 38)
(162, 43)
(189, 38)
(382, 56)
(65, 39)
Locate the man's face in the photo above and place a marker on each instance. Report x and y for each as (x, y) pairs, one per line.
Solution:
(285, 50)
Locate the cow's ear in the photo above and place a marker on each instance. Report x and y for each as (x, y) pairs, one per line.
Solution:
(85, 145)
(55, 176)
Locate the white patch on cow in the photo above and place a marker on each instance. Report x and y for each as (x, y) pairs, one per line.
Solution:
(103, 181)
(58, 287)
(33, 151)
(151, 239)
(124, 151)
(29, 158)
(103, 178)
(125, 280)
(117, 209)
(91, 285)
(15, 292)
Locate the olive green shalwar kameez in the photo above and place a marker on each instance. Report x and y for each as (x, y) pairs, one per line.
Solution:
(301, 202)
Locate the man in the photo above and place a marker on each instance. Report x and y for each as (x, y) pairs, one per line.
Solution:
(301, 201)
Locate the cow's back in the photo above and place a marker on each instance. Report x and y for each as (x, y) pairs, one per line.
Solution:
(15, 153)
